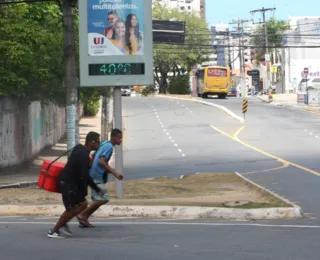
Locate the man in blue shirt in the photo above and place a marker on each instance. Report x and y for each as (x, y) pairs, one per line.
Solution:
(99, 170)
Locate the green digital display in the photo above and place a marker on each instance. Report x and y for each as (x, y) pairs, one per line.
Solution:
(110, 69)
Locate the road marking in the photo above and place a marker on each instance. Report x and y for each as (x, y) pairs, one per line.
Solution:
(317, 137)
(269, 170)
(170, 137)
(168, 134)
(175, 145)
(310, 133)
(163, 223)
(172, 140)
(183, 155)
(180, 150)
(239, 131)
(235, 138)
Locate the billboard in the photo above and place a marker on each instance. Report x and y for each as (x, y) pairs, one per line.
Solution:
(115, 27)
(115, 43)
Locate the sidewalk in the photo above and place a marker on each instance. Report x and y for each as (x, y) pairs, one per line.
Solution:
(288, 100)
(29, 172)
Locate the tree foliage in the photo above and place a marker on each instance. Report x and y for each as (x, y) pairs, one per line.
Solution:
(31, 50)
(180, 58)
(275, 30)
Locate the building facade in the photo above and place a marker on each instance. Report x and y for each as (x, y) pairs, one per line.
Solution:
(196, 6)
(304, 33)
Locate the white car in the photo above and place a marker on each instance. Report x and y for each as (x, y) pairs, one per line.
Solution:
(308, 84)
(126, 91)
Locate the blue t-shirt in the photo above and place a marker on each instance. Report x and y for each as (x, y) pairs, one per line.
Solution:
(105, 150)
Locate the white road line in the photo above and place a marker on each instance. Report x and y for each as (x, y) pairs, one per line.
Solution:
(165, 130)
(172, 140)
(138, 223)
(180, 150)
(317, 137)
(183, 155)
(306, 130)
(10, 217)
(168, 134)
(170, 137)
(310, 133)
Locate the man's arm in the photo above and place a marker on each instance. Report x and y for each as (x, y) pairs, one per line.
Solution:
(103, 162)
(85, 164)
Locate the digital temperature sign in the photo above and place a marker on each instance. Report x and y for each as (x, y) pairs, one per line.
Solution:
(110, 69)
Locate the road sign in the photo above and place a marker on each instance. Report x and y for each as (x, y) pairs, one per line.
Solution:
(109, 54)
(274, 69)
(244, 106)
(306, 72)
(168, 31)
(255, 78)
(267, 57)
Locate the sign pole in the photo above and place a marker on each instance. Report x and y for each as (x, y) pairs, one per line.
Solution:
(118, 149)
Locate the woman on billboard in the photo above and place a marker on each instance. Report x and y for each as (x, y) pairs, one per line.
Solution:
(132, 26)
(121, 39)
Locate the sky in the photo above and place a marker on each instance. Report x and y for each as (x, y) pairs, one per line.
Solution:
(218, 12)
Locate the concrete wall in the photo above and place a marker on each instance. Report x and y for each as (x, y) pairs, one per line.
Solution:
(25, 129)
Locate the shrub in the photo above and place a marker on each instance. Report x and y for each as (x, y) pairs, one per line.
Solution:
(91, 108)
(179, 85)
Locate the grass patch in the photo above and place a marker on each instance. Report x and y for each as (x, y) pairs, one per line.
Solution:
(206, 189)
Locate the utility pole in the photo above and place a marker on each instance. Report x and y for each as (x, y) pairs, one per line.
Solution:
(70, 78)
(267, 56)
(240, 28)
(105, 114)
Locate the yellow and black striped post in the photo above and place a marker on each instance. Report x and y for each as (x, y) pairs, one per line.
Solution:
(244, 107)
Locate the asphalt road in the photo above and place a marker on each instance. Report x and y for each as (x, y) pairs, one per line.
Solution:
(166, 137)
(25, 238)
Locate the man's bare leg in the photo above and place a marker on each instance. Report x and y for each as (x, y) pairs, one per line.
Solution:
(68, 215)
(94, 206)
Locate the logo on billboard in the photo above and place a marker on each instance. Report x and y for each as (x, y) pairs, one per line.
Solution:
(98, 41)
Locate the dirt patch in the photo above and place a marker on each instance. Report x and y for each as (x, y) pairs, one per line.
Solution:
(207, 189)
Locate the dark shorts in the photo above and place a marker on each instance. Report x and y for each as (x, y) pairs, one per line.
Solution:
(72, 196)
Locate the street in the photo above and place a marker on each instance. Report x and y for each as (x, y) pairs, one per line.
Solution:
(167, 137)
(160, 239)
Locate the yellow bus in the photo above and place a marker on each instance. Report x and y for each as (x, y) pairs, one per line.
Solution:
(213, 80)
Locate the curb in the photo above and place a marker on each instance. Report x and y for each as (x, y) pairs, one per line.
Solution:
(222, 108)
(296, 211)
(173, 212)
(19, 185)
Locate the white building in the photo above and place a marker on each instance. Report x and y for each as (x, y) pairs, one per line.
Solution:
(304, 34)
(197, 6)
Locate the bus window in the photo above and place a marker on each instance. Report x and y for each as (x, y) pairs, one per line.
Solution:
(215, 72)
(200, 74)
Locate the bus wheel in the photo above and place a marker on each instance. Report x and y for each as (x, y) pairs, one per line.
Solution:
(222, 96)
(204, 95)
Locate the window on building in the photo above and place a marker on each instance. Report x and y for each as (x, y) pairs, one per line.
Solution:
(181, 8)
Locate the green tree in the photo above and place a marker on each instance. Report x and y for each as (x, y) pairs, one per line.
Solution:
(179, 58)
(275, 30)
(31, 52)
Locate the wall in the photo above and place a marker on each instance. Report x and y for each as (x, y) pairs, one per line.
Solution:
(25, 129)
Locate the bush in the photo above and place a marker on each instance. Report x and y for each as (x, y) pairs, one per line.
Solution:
(91, 108)
(179, 85)
(148, 90)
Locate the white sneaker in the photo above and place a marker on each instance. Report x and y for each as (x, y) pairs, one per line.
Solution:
(55, 234)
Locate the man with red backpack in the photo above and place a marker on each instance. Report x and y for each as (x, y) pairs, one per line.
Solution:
(73, 183)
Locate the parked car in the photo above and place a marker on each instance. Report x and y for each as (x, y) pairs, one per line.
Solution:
(308, 84)
(126, 91)
(232, 92)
